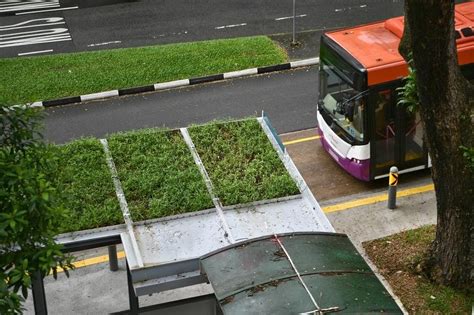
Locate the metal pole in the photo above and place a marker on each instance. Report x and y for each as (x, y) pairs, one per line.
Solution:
(113, 259)
(293, 42)
(392, 187)
(39, 298)
(133, 299)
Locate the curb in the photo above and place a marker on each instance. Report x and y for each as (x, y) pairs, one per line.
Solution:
(177, 83)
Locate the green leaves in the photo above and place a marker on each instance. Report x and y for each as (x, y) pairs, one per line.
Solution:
(30, 211)
(468, 153)
(408, 94)
(241, 162)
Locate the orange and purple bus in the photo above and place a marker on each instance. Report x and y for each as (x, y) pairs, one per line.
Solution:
(359, 121)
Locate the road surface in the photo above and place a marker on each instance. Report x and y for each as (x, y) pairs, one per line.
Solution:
(29, 28)
(289, 98)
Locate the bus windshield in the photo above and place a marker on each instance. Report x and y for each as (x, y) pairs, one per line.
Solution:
(342, 102)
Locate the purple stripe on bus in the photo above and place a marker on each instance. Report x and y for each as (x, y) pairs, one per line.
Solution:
(358, 170)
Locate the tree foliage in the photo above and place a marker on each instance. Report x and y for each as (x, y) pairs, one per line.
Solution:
(407, 93)
(29, 208)
(447, 111)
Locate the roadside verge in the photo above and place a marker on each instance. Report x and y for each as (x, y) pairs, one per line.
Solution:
(176, 83)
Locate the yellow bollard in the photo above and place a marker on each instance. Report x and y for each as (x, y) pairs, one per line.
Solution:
(392, 187)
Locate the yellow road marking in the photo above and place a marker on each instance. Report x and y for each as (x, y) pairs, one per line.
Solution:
(301, 140)
(375, 199)
(94, 260)
(333, 208)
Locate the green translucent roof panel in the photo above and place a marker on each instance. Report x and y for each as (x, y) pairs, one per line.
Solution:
(257, 277)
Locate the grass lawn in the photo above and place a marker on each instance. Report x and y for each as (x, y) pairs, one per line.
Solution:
(241, 162)
(396, 257)
(41, 78)
(86, 187)
(158, 174)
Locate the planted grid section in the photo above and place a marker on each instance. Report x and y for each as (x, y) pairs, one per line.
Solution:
(158, 174)
(241, 162)
(86, 188)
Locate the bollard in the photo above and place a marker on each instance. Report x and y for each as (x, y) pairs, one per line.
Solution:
(392, 187)
(113, 259)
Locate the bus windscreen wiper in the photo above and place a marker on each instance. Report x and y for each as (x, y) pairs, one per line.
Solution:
(343, 108)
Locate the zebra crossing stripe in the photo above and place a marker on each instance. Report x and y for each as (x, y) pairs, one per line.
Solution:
(24, 6)
(16, 35)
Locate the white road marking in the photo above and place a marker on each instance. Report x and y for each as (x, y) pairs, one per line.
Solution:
(28, 26)
(35, 37)
(40, 11)
(35, 33)
(290, 17)
(35, 52)
(42, 35)
(350, 8)
(21, 25)
(29, 6)
(230, 26)
(106, 43)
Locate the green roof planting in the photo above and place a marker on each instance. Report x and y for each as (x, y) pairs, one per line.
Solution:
(87, 191)
(160, 178)
(158, 174)
(241, 162)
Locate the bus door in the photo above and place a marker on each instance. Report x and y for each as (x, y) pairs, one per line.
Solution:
(396, 137)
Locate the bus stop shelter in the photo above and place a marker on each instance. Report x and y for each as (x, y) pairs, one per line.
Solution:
(296, 273)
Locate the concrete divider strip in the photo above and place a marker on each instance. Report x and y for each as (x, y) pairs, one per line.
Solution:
(205, 79)
(95, 96)
(62, 101)
(171, 84)
(240, 73)
(280, 67)
(304, 62)
(136, 90)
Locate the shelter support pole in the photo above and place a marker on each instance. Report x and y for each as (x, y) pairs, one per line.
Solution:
(132, 297)
(113, 259)
(39, 297)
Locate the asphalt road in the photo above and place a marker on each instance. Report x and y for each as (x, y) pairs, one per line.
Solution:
(73, 25)
(289, 98)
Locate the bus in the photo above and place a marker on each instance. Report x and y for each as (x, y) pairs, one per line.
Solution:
(360, 124)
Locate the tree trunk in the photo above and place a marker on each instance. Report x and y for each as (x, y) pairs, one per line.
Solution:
(447, 115)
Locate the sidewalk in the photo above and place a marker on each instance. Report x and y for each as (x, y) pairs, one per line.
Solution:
(96, 290)
(372, 221)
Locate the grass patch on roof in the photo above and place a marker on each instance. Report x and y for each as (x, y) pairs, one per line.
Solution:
(241, 162)
(158, 174)
(87, 190)
(41, 78)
